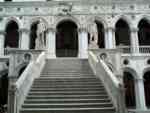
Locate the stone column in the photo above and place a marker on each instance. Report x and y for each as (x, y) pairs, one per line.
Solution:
(83, 43)
(109, 38)
(140, 94)
(134, 40)
(2, 41)
(51, 43)
(25, 38)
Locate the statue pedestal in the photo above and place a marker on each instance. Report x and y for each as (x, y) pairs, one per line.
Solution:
(93, 45)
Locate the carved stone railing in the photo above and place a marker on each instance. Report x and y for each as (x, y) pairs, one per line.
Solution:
(128, 49)
(125, 49)
(144, 49)
(19, 90)
(113, 86)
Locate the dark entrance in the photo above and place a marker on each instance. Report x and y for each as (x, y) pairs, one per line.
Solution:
(12, 35)
(147, 88)
(129, 86)
(67, 39)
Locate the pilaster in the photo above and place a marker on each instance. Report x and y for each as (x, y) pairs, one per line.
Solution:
(51, 43)
(134, 40)
(25, 38)
(2, 41)
(83, 42)
(110, 38)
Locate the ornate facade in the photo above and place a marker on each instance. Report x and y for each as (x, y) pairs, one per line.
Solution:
(121, 25)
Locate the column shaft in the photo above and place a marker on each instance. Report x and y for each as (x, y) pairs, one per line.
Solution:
(51, 43)
(25, 38)
(83, 43)
(2, 41)
(134, 41)
(140, 94)
(109, 38)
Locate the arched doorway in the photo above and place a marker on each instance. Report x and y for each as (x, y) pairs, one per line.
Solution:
(101, 34)
(129, 86)
(67, 39)
(33, 34)
(3, 88)
(122, 33)
(144, 32)
(12, 35)
(147, 88)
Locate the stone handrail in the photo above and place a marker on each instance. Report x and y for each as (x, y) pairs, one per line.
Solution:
(23, 84)
(113, 86)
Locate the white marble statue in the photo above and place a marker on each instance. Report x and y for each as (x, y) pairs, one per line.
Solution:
(40, 40)
(93, 36)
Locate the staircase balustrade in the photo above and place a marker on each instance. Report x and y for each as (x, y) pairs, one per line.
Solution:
(113, 86)
(20, 89)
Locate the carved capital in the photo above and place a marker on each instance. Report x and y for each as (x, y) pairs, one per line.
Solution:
(50, 29)
(81, 29)
(110, 28)
(134, 29)
(24, 30)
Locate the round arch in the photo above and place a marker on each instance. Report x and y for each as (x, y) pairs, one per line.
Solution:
(35, 19)
(12, 35)
(129, 85)
(146, 78)
(124, 18)
(122, 33)
(67, 39)
(15, 19)
(63, 19)
(144, 31)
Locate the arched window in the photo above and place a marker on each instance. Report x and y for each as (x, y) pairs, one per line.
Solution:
(12, 35)
(147, 88)
(101, 34)
(144, 32)
(122, 33)
(129, 90)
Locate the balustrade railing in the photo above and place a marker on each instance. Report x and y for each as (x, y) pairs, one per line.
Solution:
(128, 49)
(19, 89)
(113, 86)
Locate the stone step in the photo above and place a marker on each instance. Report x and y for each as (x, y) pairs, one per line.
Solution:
(86, 96)
(66, 89)
(67, 105)
(67, 93)
(69, 110)
(47, 101)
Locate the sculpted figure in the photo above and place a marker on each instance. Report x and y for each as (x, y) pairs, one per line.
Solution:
(40, 40)
(93, 36)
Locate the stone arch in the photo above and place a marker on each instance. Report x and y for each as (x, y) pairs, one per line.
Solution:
(12, 38)
(146, 78)
(62, 19)
(38, 39)
(132, 71)
(67, 39)
(124, 18)
(15, 19)
(144, 31)
(122, 32)
(142, 17)
(99, 19)
(130, 89)
(35, 19)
